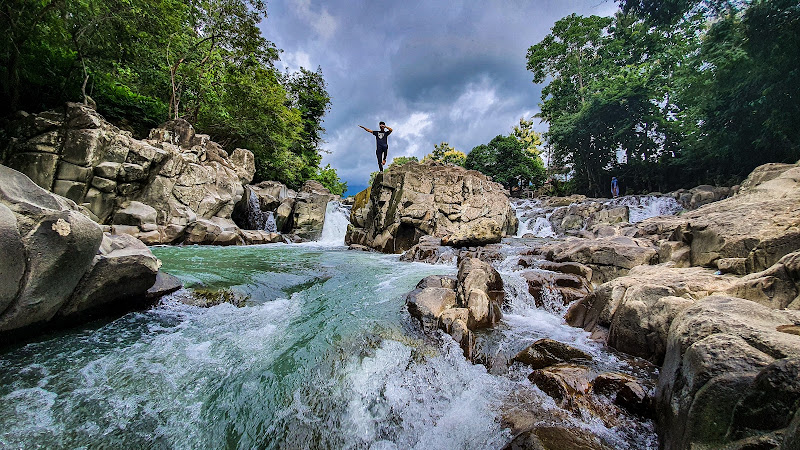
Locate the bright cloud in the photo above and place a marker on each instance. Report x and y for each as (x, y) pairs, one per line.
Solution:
(321, 21)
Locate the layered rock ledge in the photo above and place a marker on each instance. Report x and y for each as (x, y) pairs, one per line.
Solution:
(176, 186)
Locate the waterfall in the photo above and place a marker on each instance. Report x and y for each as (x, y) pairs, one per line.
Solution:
(337, 217)
(646, 206)
(269, 224)
(258, 219)
(533, 219)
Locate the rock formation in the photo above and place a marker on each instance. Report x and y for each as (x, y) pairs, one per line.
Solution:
(730, 375)
(299, 216)
(459, 306)
(176, 186)
(58, 264)
(713, 296)
(173, 186)
(459, 206)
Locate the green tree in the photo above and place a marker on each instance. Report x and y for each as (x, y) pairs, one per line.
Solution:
(310, 98)
(746, 96)
(330, 179)
(508, 162)
(530, 139)
(621, 110)
(144, 61)
(446, 154)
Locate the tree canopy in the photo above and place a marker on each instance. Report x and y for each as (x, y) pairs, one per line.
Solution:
(446, 154)
(671, 94)
(145, 61)
(508, 162)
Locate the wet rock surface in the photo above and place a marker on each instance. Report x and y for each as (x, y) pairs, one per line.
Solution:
(470, 301)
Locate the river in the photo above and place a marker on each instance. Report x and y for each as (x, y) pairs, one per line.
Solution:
(319, 353)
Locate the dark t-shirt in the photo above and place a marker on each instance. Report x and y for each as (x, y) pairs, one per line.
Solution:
(382, 138)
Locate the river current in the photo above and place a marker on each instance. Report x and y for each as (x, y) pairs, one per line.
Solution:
(319, 352)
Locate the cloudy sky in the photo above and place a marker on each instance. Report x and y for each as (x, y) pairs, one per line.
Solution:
(434, 71)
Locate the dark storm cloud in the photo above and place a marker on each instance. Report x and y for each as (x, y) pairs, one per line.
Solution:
(435, 71)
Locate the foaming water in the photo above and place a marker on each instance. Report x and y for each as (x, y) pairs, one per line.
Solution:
(533, 219)
(323, 355)
(523, 324)
(337, 217)
(646, 206)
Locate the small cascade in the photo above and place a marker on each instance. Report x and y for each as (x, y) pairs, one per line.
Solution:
(257, 219)
(337, 217)
(269, 223)
(533, 219)
(646, 206)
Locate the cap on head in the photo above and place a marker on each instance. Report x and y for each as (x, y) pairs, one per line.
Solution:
(382, 123)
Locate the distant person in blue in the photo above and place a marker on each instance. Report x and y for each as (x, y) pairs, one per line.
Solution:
(614, 187)
(381, 142)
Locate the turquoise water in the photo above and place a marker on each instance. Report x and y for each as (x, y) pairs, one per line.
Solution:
(322, 355)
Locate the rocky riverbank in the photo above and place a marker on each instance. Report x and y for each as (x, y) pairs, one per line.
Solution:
(711, 296)
(175, 186)
(87, 198)
(60, 267)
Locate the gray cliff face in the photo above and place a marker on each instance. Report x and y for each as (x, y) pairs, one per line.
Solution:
(459, 206)
(185, 178)
(58, 264)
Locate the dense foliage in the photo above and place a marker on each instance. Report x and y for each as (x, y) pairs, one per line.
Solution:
(508, 161)
(445, 153)
(146, 61)
(672, 93)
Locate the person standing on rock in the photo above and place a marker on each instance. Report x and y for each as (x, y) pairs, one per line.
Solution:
(614, 187)
(381, 141)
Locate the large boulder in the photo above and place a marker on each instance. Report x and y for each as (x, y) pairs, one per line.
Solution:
(308, 214)
(636, 311)
(459, 206)
(743, 234)
(729, 374)
(123, 269)
(57, 262)
(459, 306)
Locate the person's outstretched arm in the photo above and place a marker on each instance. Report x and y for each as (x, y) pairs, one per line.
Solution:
(366, 129)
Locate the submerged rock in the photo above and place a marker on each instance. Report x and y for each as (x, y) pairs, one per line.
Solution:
(458, 206)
